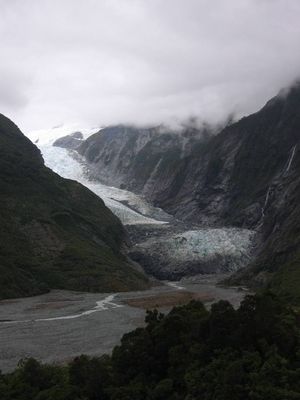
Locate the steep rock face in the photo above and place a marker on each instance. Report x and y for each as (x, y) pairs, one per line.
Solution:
(144, 161)
(72, 141)
(247, 161)
(54, 233)
(112, 151)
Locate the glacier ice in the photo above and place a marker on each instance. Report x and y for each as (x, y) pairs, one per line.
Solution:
(63, 163)
(207, 250)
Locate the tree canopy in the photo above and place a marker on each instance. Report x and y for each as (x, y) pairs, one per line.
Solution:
(251, 353)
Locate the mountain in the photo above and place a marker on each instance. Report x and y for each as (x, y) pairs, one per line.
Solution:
(137, 159)
(54, 233)
(247, 175)
(72, 141)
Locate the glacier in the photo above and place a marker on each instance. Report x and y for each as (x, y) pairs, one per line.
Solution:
(166, 255)
(202, 251)
(68, 164)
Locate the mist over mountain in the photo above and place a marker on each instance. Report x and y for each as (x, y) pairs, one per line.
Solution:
(150, 211)
(141, 62)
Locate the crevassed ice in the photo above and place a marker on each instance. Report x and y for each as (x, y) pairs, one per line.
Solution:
(203, 244)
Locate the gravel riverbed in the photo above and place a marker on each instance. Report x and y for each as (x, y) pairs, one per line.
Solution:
(57, 326)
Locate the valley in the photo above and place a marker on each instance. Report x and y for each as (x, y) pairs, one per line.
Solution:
(150, 200)
(241, 177)
(57, 326)
(166, 247)
(188, 221)
(166, 256)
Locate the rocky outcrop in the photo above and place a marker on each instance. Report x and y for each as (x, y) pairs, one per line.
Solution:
(54, 233)
(72, 141)
(142, 160)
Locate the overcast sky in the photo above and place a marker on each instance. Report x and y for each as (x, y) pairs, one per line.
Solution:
(97, 62)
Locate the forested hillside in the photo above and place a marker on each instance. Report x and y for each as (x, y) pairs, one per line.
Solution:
(54, 233)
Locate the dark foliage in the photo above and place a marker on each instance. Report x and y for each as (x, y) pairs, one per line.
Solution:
(251, 353)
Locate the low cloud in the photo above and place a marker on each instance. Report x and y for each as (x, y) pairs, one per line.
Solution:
(144, 62)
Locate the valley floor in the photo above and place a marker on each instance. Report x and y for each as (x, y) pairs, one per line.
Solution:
(57, 326)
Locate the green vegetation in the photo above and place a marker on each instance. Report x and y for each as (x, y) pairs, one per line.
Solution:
(252, 353)
(54, 233)
(286, 281)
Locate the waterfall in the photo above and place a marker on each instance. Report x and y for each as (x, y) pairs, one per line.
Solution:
(291, 157)
(266, 202)
(284, 173)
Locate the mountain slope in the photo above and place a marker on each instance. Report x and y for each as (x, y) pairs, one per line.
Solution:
(54, 233)
(250, 177)
(138, 158)
(246, 176)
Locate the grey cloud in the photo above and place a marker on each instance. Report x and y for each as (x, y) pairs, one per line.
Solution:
(13, 89)
(141, 61)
